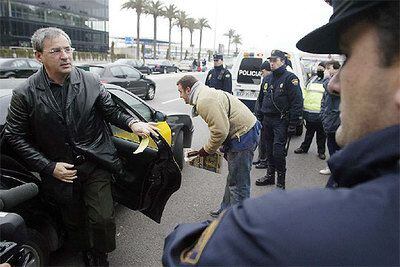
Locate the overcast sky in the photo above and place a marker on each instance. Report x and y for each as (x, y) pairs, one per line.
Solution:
(261, 23)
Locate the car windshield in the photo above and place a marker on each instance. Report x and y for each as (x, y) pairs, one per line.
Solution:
(5, 61)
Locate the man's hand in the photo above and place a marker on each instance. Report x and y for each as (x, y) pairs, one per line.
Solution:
(144, 129)
(203, 153)
(64, 172)
(291, 130)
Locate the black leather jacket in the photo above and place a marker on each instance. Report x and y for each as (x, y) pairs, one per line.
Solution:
(40, 134)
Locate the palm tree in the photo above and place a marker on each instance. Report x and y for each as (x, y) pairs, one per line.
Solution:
(139, 6)
(230, 35)
(181, 23)
(237, 40)
(202, 23)
(191, 26)
(170, 12)
(156, 9)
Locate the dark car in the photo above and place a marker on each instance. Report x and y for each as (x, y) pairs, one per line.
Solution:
(18, 67)
(162, 66)
(137, 64)
(124, 76)
(146, 183)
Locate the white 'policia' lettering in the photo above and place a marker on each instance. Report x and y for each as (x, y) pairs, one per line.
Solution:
(253, 73)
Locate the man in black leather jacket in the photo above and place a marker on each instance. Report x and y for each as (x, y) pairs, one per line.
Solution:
(56, 123)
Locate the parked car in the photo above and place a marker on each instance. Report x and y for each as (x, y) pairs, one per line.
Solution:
(185, 65)
(176, 128)
(18, 67)
(124, 76)
(137, 64)
(162, 66)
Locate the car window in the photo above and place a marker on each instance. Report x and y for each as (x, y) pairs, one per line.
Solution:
(134, 103)
(94, 69)
(116, 72)
(34, 63)
(167, 63)
(19, 64)
(130, 72)
(250, 71)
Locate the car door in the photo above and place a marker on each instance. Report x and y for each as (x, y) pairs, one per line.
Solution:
(117, 76)
(148, 178)
(136, 85)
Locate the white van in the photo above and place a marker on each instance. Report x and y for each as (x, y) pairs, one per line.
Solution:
(246, 74)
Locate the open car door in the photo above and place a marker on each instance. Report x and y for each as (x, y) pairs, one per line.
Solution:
(150, 177)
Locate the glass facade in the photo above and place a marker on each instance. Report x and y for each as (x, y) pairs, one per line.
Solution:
(86, 22)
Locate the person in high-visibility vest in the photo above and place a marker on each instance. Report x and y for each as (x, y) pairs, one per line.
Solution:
(311, 113)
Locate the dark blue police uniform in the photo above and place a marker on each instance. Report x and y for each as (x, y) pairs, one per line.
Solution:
(219, 78)
(354, 224)
(281, 106)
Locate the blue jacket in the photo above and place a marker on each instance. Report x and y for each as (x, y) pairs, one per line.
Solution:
(220, 78)
(330, 114)
(354, 224)
(281, 95)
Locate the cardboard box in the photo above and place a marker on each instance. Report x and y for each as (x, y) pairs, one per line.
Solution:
(210, 163)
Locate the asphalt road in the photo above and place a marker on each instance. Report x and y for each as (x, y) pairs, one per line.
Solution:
(140, 241)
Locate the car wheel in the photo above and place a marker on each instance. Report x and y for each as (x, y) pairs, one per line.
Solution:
(151, 92)
(12, 76)
(165, 70)
(178, 150)
(36, 249)
(176, 70)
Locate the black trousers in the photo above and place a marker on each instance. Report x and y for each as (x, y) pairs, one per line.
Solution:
(262, 146)
(89, 218)
(331, 143)
(275, 140)
(314, 127)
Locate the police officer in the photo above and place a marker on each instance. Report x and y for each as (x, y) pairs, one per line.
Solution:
(219, 77)
(281, 111)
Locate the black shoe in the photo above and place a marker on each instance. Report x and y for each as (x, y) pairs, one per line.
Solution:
(321, 156)
(299, 150)
(262, 165)
(280, 180)
(215, 213)
(266, 180)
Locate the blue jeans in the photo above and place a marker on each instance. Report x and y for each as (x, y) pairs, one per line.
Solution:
(238, 181)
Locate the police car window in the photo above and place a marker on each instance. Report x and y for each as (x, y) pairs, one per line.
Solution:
(249, 71)
(134, 103)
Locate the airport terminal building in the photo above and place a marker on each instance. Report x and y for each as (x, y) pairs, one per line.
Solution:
(86, 22)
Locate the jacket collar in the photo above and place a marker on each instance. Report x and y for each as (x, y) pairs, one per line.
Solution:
(366, 158)
(279, 71)
(194, 94)
(41, 79)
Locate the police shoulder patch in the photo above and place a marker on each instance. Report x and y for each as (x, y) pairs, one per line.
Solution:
(227, 75)
(192, 254)
(209, 76)
(295, 81)
(265, 86)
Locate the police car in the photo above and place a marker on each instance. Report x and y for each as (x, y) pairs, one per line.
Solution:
(246, 74)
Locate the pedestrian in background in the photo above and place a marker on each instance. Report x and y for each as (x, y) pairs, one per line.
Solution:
(233, 126)
(330, 113)
(261, 162)
(219, 77)
(281, 109)
(312, 95)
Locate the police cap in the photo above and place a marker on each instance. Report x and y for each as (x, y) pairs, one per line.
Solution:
(218, 56)
(277, 53)
(266, 66)
(325, 40)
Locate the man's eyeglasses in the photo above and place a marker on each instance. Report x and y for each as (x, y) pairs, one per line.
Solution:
(59, 50)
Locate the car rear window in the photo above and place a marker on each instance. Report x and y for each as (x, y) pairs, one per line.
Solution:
(249, 71)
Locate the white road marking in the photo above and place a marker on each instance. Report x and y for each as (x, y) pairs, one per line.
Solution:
(169, 101)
